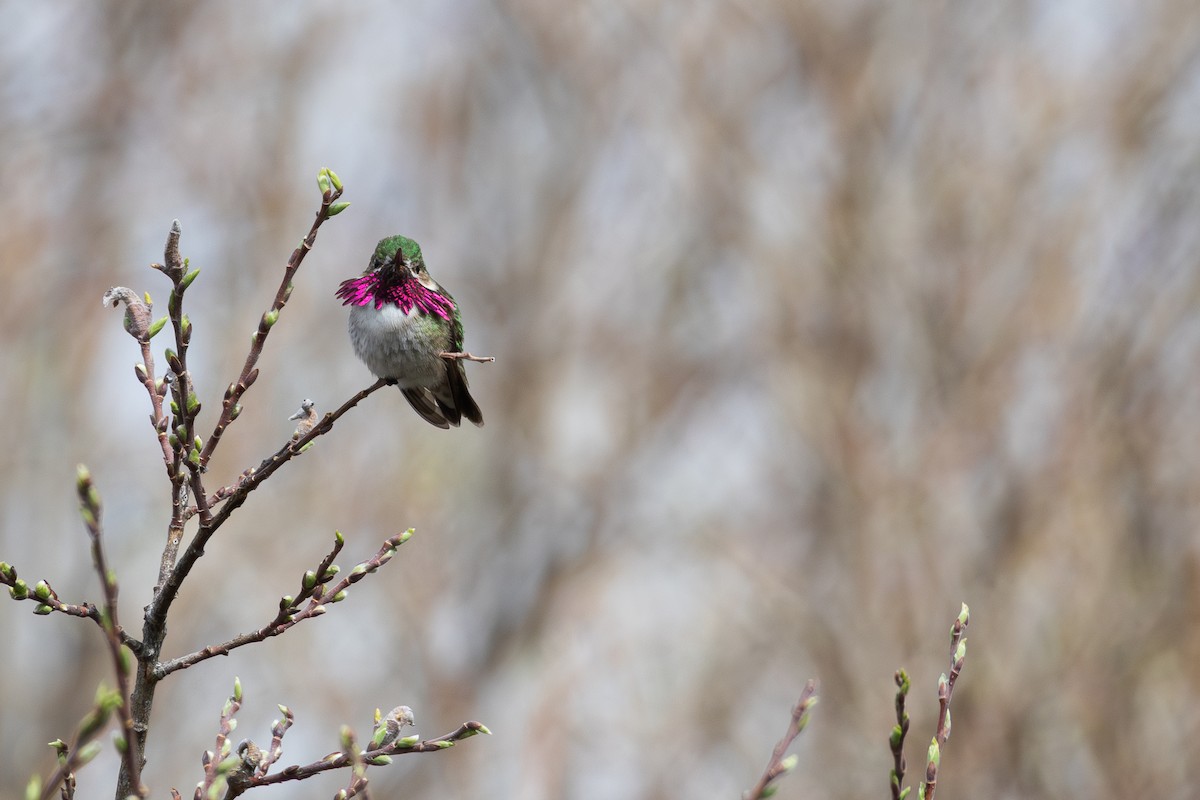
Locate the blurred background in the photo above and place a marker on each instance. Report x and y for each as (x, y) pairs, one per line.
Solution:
(811, 320)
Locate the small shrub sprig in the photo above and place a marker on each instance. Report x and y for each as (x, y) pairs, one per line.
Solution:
(946, 682)
(779, 764)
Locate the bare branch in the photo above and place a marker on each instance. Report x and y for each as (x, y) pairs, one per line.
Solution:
(896, 740)
(958, 655)
(313, 589)
(277, 731)
(404, 746)
(82, 749)
(218, 762)
(467, 357)
(233, 395)
(89, 509)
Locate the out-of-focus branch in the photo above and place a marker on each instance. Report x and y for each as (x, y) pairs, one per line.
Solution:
(89, 509)
(958, 655)
(896, 740)
(81, 750)
(779, 765)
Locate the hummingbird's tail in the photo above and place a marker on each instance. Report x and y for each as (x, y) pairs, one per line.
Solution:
(461, 396)
(447, 403)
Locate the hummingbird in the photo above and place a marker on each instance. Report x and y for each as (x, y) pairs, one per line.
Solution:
(401, 322)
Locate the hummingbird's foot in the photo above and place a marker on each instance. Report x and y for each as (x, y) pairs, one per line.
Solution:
(467, 357)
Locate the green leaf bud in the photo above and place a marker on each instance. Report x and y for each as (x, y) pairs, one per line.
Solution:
(187, 279)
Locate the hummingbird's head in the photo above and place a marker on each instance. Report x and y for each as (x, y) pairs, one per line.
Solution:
(397, 276)
(400, 260)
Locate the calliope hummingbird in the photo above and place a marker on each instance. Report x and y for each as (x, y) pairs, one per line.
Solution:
(401, 322)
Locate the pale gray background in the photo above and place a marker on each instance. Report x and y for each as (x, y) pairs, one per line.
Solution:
(811, 320)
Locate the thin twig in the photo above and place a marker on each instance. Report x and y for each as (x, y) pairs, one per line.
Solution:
(49, 602)
(89, 509)
(313, 589)
(139, 324)
(184, 405)
(275, 751)
(249, 372)
(896, 740)
(82, 749)
(157, 419)
(295, 772)
(215, 767)
(958, 655)
(778, 765)
(467, 357)
(358, 767)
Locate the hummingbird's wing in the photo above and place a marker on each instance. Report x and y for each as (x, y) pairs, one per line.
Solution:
(454, 398)
(423, 403)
